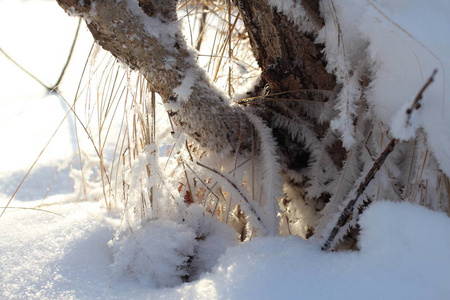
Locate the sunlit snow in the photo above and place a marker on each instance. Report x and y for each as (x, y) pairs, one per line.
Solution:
(63, 249)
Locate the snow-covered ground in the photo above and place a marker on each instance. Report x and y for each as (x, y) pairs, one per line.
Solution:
(61, 250)
(404, 255)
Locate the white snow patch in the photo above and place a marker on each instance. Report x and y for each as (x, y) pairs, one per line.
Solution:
(157, 27)
(296, 13)
(404, 126)
(156, 254)
(184, 90)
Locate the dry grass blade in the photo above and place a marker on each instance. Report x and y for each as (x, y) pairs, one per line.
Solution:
(34, 164)
(33, 208)
(25, 70)
(235, 187)
(46, 145)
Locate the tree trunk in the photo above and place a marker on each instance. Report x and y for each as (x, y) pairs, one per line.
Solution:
(153, 44)
(294, 71)
(289, 58)
(293, 66)
(295, 85)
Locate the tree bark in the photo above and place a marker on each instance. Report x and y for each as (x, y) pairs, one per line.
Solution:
(289, 58)
(293, 70)
(292, 64)
(148, 38)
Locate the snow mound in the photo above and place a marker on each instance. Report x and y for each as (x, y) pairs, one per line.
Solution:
(164, 253)
(404, 255)
(156, 254)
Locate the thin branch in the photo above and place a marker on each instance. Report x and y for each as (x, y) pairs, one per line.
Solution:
(202, 181)
(347, 213)
(266, 97)
(53, 88)
(416, 105)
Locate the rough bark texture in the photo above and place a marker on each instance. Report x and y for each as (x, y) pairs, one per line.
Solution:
(291, 63)
(153, 43)
(289, 58)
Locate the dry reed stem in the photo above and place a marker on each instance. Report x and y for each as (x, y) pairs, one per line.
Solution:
(233, 185)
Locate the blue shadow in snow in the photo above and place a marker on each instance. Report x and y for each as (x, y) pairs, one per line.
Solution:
(37, 183)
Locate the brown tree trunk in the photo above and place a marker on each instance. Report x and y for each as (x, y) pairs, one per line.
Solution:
(293, 67)
(289, 58)
(294, 72)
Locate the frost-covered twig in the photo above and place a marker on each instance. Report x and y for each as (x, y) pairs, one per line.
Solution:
(347, 213)
(271, 181)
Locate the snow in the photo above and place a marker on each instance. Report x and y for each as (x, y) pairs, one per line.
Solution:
(406, 43)
(404, 255)
(271, 178)
(154, 25)
(184, 90)
(295, 12)
(67, 248)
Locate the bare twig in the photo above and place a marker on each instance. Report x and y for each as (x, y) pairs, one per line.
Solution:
(267, 97)
(53, 88)
(69, 57)
(416, 104)
(201, 30)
